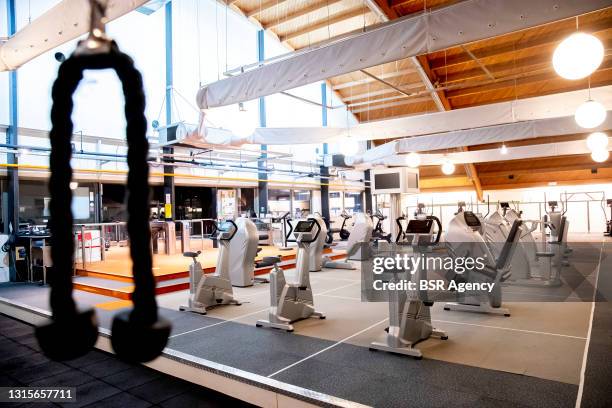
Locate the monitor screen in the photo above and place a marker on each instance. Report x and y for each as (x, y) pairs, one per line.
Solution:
(225, 226)
(470, 219)
(386, 181)
(304, 226)
(419, 226)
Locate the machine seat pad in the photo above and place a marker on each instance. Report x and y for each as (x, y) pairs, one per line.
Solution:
(191, 254)
(268, 261)
(545, 254)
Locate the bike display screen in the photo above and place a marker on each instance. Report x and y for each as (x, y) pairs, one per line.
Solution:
(419, 226)
(304, 226)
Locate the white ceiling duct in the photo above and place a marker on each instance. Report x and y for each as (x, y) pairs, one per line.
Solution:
(457, 24)
(473, 137)
(540, 107)
(490, 155)
(63, 22)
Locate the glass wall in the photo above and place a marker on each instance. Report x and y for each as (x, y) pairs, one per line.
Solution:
(301, 202)
(34, 201)
(353, 202)
(279, 202)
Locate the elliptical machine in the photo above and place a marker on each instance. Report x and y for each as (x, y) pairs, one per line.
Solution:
(409, 318)
(608, 232)
(207, 291)
(464, 239)
(530, 266)
(293, 301)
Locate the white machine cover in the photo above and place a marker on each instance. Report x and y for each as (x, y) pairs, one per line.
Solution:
(460, 23)
(360, 234)
(63, 22)
(316, 248)
(242, 252)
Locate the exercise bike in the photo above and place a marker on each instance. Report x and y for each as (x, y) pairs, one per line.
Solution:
(207, 291)
(378, 233)
(410, 318)
(291, 301)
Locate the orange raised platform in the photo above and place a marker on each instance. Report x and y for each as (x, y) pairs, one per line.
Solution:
(113, 276)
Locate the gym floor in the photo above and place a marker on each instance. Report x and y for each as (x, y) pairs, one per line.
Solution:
(533, 358)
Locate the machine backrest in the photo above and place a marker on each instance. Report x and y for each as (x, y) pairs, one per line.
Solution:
(507, 251)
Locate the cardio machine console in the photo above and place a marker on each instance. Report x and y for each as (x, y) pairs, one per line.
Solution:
(471, 220)
(419, 226)
(305, 230)
(226, 230)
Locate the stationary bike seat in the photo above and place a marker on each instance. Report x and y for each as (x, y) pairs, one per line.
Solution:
(268, 261)
(191, 254)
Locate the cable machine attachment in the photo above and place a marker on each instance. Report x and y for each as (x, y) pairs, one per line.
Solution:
(138, 335)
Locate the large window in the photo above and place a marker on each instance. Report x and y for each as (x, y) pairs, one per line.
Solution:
(353, 202)
(279, 202)
(34, 201)
(301, 202)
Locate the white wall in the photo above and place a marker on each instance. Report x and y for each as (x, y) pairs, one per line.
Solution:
(530, 201)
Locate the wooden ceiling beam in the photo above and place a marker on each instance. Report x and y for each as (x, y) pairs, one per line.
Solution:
(530, 77)
(336, 18)
(484, 175)
(510, 186)
(366, 80)
(498, 70)
(385, 91)
(299, 13)
(264, 7)
(400, 101)
(505, 48)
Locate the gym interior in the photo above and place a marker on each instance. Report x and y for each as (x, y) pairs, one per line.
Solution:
(292, 203)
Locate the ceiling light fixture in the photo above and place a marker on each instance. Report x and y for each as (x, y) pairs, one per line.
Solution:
(578, 56)
(590, 114)
(413, 160)
(448, 167)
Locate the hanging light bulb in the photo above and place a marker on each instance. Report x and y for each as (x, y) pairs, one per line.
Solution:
(350, 148)
(597, 141)
(600, 156)
(503, 149)
(590, 114)
(578, 56)
(413, 160)
(448, 167)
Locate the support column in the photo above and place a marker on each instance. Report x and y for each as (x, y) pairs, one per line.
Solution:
(169, 191)
(324, 170)
(12, 138)
(262, 184)
(368, 188)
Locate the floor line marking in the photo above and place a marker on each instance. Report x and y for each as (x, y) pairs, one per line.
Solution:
(328, 348)
(585, 355)
(510, 329)
(249, 314)
(314, 278)
(341, 297)
(218, 323)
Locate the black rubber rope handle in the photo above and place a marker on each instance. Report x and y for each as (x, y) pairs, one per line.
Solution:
(142, 321)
